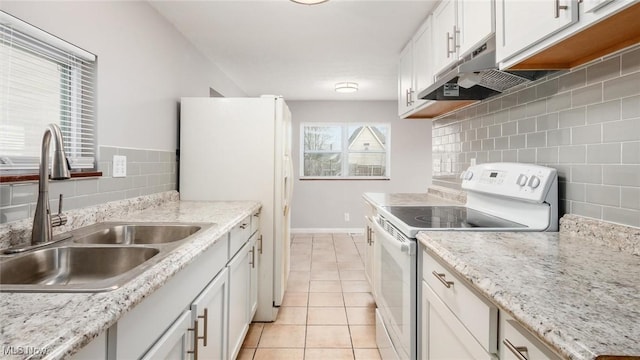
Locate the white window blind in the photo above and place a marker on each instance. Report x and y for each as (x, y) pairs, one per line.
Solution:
(43, 80)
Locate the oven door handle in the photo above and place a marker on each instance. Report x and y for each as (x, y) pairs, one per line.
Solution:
(398, 244)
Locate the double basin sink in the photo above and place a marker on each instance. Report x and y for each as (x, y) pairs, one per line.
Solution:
(99, 257)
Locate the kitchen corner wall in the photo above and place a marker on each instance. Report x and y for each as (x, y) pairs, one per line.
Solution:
(585, 123)
(148, 172)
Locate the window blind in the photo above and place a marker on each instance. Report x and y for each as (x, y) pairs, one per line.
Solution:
(43, 80)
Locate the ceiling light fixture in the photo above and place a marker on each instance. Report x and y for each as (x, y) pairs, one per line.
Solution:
(309, 2)
(346, 87)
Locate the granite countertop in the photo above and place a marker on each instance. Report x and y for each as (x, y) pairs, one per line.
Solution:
(57, 325)
(580, 297)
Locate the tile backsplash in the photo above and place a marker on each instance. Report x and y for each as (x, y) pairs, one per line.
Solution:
(585, 123)
(148, 172)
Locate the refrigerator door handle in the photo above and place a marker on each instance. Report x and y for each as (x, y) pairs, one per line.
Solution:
(288, 184)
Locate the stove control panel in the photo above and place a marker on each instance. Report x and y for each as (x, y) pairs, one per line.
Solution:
(527, 182)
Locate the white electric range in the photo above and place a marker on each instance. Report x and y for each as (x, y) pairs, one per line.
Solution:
(500, 197)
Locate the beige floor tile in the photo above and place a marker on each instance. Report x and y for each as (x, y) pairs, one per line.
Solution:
(348, 258)
(351, 266)
(321, 336)
(289, 315)
(325, 286)
(325, 299)
(355, 286)
(361, 316)
(363, 336)
(355, 299)
(326, 316)
(282, 336)
(325, 257)
(367, 354)
(246, 354)
(298, 285)
(253, 336)
(296, 298)
(324, 275)
(328, 354)
(300, 266)
(299, 275)
(279, 354)
(352, 275)
(324, 265)
(358, 238)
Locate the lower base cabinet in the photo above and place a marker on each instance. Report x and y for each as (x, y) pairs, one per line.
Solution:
(174, 344)
(209, 316)
(239, 290)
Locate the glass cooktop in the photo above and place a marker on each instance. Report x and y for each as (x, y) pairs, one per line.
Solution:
(448, 217)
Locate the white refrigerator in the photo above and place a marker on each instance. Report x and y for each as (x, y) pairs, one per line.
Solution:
(240, 149)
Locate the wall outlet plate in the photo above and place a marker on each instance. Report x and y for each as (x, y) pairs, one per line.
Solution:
(119, 166)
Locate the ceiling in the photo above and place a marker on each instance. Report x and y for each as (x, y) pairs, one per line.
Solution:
(300, 51)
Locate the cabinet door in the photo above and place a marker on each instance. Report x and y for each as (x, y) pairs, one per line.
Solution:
(239, 292)
(520, 24)
(369, 258)
(446, 337)
(210, 310)
(254, 254)
(405, 78)
(175, 343)
(444, 36)
(422, 60)
(476, 23)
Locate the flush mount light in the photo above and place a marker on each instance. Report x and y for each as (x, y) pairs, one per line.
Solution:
(309, 2)
(346, 87)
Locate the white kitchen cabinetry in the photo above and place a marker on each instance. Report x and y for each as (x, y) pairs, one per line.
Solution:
(475, 24)
(208, 314)
(522, 24)
(516, 343)
(255, 244)
(239, 292)
(405, 80)
(370, 236)
(415, 70)
(457, 323)
(175, 343)
(444, 36)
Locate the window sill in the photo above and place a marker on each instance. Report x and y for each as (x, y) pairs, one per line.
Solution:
(34, 177)
(350, 178)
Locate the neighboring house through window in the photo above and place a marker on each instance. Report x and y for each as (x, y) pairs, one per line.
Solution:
(344, 151)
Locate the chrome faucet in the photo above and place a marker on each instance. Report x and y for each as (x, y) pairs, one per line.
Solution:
(43, 221)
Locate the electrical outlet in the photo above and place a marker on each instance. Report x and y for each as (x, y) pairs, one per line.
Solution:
(119, 166)
(346, 216)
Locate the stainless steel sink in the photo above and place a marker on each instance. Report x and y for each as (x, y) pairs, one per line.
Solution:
(99, 257)
(138, 234)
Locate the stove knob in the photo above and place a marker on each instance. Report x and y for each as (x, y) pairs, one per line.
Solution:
(534, 182)
(466, 175)
(522, 180)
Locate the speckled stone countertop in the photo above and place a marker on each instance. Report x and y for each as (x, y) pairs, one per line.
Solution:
(58, 324)
(579, 296)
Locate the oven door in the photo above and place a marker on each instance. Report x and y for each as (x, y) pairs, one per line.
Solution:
(395, 277)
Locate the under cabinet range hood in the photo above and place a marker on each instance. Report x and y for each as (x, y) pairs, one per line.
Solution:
(476, 77)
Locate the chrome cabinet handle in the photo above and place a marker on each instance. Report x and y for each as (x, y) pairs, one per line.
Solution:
(195, 340)
(252, 262)
(456, 35)
(411, 96)
(442, 279)
(558, 8)
(449, 38)
(205, 317)
(243, 226)
(260, 247)
(516, 350)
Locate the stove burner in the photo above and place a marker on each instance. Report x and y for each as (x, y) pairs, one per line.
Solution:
(448, 217)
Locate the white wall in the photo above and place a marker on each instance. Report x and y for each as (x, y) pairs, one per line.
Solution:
(144, 66)
(321, 204)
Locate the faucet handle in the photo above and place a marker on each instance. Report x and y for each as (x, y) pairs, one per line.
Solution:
(59, 218)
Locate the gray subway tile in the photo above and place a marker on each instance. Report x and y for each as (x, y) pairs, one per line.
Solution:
(476, 123)
(538, 139)
(527, 125)
(5, 195)
(526, 95)
(517, 112)
(105, 153)
(588, 210)
(572, 154)
(625, 130)
(624, 175)
(576, 192)
(603, 195)
(548, 155)
(24, 194)
(603, 70)
(494, 105)
(482, 133)
(630, 107)
(564, 172)
(631, 61)
(488, 144)
(631, 153)
(573, 117)
(510, 128)
(14, 213)
(495, 156)
(603, 154)
(470, 135)
(587, 95)
(517, 141)
(591, 174)
(502, 143)
(590, 134)
(547, 122)
(487, 120)
(495, 131)
(559, 137)
(527, 156)
(134, 155)
(572, 80)
(482, 157)
(153, 156)
(559, 102)
(476, 145)
(510, 155)
(465, 125)
(106, 185)
(621, 216)
(86, 186)
(547, 88)
(501, 117)
(509, 100)
(623, 86)
(630, 197)
(67, 188)
(607, 111)
(482, 108)
(537, 108)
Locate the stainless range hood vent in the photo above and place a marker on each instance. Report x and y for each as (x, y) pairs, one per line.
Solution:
(477, 77)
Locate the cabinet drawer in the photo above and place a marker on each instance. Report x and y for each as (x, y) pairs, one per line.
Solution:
(517, 342)
(475, 312)
(239, 235)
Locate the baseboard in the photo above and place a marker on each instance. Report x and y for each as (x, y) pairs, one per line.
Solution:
(327, 231)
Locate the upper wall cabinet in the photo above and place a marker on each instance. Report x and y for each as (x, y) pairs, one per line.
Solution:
(562, 34)
(415, 70)
(444, 35)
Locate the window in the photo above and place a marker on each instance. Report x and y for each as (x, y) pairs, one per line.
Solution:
(43, 80)
(344, 151)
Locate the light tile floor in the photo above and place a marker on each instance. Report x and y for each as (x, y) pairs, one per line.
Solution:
(327, 312)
